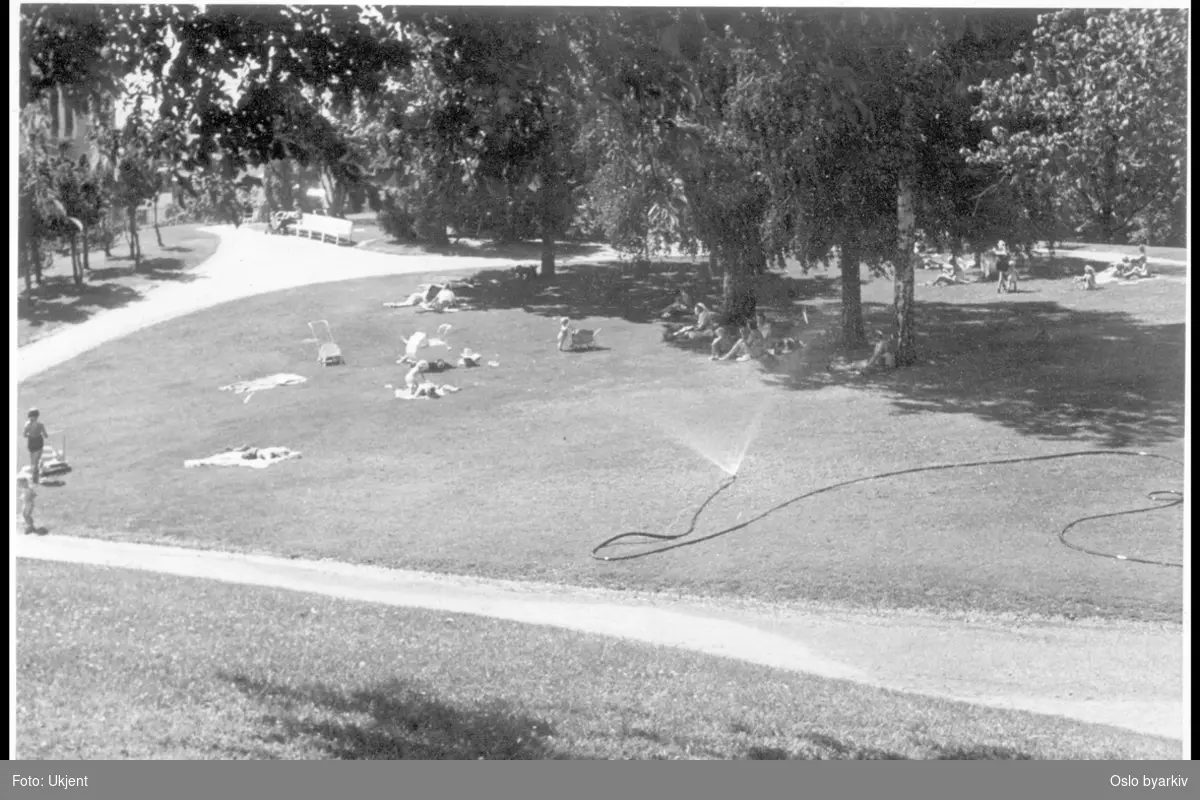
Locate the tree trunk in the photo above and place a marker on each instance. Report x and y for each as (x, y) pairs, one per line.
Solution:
(76, 266)
(157, 232)
(850, 263)
(738, 298)
(135, 245)
(30, 253)
(37, 261)
(547, 255)
(904, 281)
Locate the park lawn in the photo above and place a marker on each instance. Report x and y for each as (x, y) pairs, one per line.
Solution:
(118, 664)
(112, 283)
(536, 461)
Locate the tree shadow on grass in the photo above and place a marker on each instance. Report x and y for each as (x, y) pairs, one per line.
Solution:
(59, 300)
(64, 302)
(611, 289)
(401, 722)
(507, 251)
(160, 268)
(1099, 377)
(1044, 370)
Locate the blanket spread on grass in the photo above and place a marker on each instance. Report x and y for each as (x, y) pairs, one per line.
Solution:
(425, 391)
(252, 457)
(248, 388)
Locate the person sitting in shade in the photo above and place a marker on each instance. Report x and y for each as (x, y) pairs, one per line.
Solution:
(705, 321)
(682, 305)
(751, 345)
(951, 274)
(722, 343)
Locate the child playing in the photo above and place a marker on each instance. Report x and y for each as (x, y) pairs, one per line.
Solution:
(26, 497)
(35, 438)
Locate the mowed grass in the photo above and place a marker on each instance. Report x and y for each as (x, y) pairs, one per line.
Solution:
(116, 664)
(535, 462)
(112, 283)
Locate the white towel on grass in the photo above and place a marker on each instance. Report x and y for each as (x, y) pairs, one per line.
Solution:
(252, 457)
(248, 388)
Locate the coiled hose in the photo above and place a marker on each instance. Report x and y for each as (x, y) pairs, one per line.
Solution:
(1163, 498)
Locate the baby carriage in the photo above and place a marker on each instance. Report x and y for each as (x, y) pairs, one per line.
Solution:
(329, 353)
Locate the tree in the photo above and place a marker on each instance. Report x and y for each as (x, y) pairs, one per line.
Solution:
(1096, 117)
(499, 115)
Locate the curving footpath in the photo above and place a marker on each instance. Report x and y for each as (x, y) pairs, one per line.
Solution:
(1128, 675)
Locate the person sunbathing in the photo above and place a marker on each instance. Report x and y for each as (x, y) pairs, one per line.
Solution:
(1137, 267)
(416, 377)
(469, 358)
(1088, 279)
(443, 300)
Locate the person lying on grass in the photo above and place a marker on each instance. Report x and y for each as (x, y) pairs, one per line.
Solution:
(444, 300)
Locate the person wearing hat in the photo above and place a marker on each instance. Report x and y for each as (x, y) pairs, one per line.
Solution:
(35, 438)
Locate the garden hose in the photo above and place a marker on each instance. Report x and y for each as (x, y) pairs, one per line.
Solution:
(1163, 498)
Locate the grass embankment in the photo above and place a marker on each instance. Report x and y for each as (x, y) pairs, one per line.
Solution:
(117, 664)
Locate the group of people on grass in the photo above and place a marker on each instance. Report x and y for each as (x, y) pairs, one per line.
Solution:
(752, 340)
(1135, 267)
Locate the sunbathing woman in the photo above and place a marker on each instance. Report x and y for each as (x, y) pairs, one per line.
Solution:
(416, 377)
(443, 300)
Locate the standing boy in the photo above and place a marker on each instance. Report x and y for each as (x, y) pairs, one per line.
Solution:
(35, 438)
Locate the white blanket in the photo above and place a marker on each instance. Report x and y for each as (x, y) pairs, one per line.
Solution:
(248, 388)
(252, 457)
(425, 390)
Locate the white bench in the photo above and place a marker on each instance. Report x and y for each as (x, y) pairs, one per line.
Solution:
(311, 225)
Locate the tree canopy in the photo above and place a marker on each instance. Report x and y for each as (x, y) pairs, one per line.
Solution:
(1095, 120)
(821, 135)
